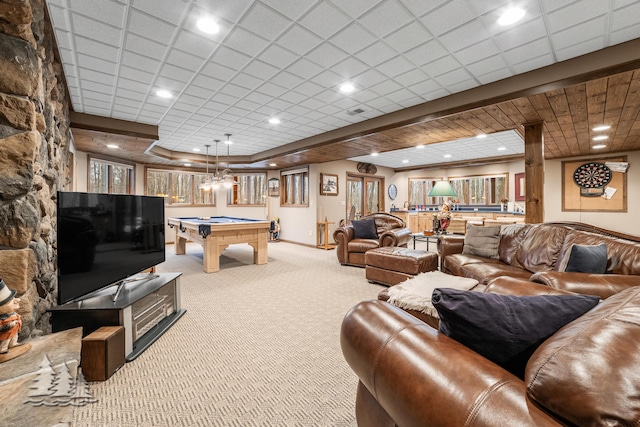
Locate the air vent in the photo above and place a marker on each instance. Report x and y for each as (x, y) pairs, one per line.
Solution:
(354, 112)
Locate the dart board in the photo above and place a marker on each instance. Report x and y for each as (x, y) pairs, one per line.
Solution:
(592, 177)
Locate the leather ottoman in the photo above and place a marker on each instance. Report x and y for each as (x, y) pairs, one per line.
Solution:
(391, 265)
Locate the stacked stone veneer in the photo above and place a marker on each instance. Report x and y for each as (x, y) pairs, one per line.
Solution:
(34, 158)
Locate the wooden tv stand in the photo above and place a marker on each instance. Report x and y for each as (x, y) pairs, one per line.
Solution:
(146, 309)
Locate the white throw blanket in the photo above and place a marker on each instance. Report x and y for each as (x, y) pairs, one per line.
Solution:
(415, 293)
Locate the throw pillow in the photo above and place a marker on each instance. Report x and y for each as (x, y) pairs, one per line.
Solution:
(364, 229)
(482, 241)
(585, 259)
(506, 329)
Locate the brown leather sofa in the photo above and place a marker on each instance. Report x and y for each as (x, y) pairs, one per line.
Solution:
(411, 375)
(390, 229)
(534, 252)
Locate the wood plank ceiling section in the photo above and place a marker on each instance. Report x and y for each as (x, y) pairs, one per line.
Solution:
(569, 115)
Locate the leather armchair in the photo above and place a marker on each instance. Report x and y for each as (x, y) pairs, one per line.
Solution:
(390, 229)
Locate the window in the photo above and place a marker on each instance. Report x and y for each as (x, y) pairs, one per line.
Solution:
(178, 188)
(294, 187)
(480, 190)
(110, 177)
(249, 189)
(419, 189)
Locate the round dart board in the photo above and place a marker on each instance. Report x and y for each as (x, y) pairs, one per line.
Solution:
(592, 175)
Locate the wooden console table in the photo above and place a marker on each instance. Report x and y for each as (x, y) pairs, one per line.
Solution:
(323, 230)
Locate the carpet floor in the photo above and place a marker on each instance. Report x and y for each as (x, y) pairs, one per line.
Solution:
(258, 346)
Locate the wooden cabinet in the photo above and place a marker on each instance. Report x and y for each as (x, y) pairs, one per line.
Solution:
(410, 220)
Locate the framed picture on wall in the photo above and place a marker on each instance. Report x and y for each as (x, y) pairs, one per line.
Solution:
(519, 187)
(274, 187)
(328, 184)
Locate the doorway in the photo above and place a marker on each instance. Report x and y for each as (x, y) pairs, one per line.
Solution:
(363, 195)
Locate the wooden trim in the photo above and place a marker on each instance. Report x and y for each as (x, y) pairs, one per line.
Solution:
(115, 126)
(534, 173)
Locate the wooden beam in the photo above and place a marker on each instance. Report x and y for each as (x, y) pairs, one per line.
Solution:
(534, 173)
(115, 126)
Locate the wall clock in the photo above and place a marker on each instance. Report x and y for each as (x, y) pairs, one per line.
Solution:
(392, 191)
(592, 177)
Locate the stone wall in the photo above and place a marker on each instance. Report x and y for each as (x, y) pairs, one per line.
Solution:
(34, 156)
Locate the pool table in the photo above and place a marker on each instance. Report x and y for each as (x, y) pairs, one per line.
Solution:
(217, 232)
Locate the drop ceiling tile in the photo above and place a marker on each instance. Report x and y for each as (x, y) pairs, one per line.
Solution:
(344, 103)
(532, 64)
(442, 66)
(299, 40)
(364, 95)
(97, 96)
(125, 111)
(580, 48)
(376, 54)
(326, 55)
(450, 15)
(329, 79)
(624, 35)
(195, 44)
(271, 89)
(528, 51)
(260, 70)
(459, 86)
(311, 104)
(231, 58)
(396, 66)
(411, 77)
(385, 18)
(494, 76)
(369, 78)
(109, 12)
(90, 47)
(399, 95)
(95, 104)
(176, 73)
(329, 96)
(626, 17)
(425, 87)
(464, 36)
(185, 60)
(477, 52)
(304, 68)
(150, 27)
(487, 65)
(286, 79)
(408, 37)
(171, 12)
(292, 9)
(139, 62)
(551, 5)
(98, 87)
(324, 20)
(484, 7)
(277, 56)
(428, 52)
(231, 10)
(279, 104)
(245, 41)
(581, 33)
(523, 34)
(96, 30)
(386, 87)
(217, 71)
(352, 39)
(265, 21)
(293, 97)
(575, 14)
(96, 76)
(355, 8)
(349, 67)
(204, 83)
(126, 94)
(68, 58)
(169, 84)
(142, 46)
(246, 81)
(191, 100)
(234, 91)
(102, 110)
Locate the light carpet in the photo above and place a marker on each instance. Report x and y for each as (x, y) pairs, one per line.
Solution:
(258, 346)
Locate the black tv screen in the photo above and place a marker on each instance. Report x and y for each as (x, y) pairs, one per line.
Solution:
(105, 238)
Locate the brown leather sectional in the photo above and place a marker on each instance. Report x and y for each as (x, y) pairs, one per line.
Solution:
(587, 373)
(534, 251)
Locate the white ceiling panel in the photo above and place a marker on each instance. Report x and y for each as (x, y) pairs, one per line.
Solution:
(288, 58)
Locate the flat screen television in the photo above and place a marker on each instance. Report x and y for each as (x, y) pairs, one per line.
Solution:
(106, 238)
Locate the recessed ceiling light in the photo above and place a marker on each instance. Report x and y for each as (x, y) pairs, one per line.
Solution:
(446, 156)
(274, 121)
(600, 137)
(502, 148)
(405, 161)
(374, 154)
(347, 87)
(112, 146)
(164, 93)
(272, 164)
(195, 149)
(187, 164)
(602, 127)
(482, 135)
(598, 146)
(208, 25)
(420, 147)
(511, 15)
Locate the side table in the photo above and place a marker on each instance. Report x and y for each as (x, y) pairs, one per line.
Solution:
(322, 236)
